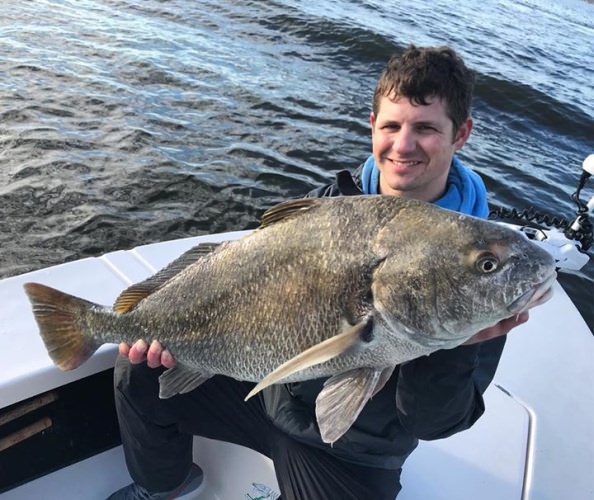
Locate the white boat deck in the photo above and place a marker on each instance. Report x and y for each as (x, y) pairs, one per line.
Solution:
(535, 441)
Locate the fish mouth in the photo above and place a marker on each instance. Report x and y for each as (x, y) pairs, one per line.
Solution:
(537, 295)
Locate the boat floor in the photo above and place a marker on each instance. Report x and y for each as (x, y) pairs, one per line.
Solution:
(99, 476)
(434, 471)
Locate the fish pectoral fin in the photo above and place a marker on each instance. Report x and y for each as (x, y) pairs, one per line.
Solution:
(132, 295)
(315, 355)
(341, 400)
(180, 379)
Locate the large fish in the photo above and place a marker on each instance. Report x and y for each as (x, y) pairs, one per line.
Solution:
(345, 288)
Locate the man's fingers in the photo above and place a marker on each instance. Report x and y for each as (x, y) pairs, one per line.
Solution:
(523, 317)
(500, 329)
(508, 324)
(124, 349)
(153, 356)
(137, 352)
(167, 359)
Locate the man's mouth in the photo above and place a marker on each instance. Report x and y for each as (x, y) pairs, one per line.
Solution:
(404, 163)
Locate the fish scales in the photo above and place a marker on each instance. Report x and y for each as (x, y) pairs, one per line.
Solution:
(284, 292)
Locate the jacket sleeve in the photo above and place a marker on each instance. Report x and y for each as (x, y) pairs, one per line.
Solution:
(323, 191)
(345, 184)
(442, 394)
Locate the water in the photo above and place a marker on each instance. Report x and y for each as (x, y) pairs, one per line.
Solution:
(127, 122)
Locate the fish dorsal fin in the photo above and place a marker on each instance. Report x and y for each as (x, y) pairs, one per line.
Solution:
(130, 297)
(319, 353)
(288, 209)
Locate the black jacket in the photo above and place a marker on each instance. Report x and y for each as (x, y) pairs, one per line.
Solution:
(431, 397)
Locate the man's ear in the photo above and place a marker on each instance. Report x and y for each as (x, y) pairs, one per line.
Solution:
(372, 120)
(463, 133)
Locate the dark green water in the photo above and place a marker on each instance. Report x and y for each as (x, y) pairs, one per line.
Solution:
(128, 122)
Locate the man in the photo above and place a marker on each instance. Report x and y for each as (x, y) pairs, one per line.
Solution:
(420, 118)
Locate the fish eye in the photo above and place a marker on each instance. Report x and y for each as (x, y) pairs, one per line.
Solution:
(487, 263)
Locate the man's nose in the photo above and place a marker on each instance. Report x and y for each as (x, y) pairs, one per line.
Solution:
(405, 141)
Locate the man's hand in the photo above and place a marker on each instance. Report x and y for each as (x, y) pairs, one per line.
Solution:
(501, 328)
(154, 355)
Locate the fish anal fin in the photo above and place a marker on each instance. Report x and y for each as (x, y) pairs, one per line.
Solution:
(57, 314)
(288, 209)
(316, 354)
(180, 379)
(341, 400)
(130, 297)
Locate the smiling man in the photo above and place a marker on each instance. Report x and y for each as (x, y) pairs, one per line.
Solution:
(420, 118)
(413, 145)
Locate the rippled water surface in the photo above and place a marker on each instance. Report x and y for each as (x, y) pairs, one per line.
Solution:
(128, 122)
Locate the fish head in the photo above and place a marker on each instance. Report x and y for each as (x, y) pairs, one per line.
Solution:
(446, 276)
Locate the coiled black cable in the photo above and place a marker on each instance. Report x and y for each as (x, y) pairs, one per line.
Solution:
(531, 217)
(523, 216)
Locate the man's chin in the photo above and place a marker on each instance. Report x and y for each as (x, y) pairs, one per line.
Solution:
(399, 186)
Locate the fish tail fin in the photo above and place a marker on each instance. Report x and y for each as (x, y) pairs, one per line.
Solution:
(57, 314)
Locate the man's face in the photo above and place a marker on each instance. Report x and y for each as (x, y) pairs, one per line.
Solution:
(413, 147)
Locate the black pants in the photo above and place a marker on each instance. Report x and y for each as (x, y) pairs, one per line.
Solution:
(157, 436)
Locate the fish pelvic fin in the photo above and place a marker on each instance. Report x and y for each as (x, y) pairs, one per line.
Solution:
(343, 397)
(180, 379)
(315, 355)
(57, 314)
(132, 295)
